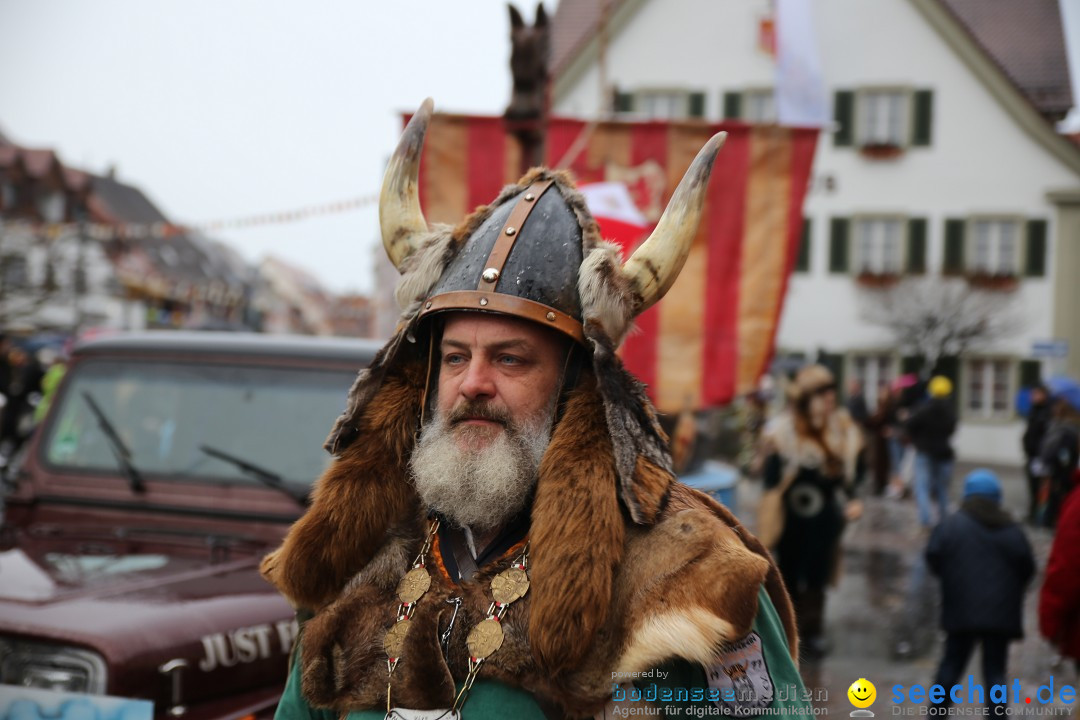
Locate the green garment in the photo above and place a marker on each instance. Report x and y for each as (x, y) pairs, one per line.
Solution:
(49, 383)
(491, 699)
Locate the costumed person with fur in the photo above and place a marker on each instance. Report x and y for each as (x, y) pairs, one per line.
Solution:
(501, 533)
(811, 463)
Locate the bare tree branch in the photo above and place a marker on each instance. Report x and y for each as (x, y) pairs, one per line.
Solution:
(940, 317)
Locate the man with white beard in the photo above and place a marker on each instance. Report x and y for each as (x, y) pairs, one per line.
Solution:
(501, 534)
(477, 460)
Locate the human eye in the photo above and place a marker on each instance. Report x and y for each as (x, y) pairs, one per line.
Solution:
(453, 359)
(511, 360)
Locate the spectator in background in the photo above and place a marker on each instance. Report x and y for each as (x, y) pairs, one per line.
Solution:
(930, 428)
(856, 403)
(53, 364)
(908, 392)
(1059, 454)
(1059, 600)
(810, 474)
(1038, 420)
(23, 380)
(984, 561)
(885, 448)
(860, 413)
(5, 369)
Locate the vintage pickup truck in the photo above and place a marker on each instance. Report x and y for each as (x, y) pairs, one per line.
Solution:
(168, 466)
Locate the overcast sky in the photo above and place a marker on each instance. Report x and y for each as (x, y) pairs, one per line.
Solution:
(219, 109)
(222, 109)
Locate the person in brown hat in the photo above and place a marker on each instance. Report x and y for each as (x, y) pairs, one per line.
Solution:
(810, 472)
(501, 533)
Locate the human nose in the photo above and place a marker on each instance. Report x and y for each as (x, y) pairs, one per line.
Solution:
(478, 382)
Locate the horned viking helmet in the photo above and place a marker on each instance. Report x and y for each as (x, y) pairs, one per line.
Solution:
(530, 257)
(534, 253)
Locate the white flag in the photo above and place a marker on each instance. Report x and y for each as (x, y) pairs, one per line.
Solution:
(801, 97)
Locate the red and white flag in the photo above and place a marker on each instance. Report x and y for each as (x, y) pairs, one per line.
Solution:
(712, 335)
(619, 218)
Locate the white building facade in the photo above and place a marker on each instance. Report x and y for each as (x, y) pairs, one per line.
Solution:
(938, 167)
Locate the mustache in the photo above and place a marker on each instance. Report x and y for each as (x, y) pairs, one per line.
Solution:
(478, 410)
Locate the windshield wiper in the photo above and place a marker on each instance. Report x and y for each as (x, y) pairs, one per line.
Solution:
(266, 477)
(116, 444)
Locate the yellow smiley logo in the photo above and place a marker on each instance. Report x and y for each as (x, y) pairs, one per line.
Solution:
(862, 693)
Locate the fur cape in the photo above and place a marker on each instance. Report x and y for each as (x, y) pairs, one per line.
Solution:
(628, 567)
(607, 594)
(786, 436)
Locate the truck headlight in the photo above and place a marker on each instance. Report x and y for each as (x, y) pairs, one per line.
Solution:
(52, 667)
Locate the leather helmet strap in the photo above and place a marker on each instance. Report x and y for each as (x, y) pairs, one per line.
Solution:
(509, 233)
(507, 305)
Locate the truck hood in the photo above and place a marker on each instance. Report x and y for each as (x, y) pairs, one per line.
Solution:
(141, 597)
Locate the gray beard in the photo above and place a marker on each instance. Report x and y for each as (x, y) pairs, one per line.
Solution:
(479, 489)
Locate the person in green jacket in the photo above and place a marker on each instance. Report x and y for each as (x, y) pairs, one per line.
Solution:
(501, 533)
(50, 381)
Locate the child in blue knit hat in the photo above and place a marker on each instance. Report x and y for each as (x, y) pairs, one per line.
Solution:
(984, 561)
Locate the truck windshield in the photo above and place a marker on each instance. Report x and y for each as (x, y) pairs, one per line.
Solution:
(166, 412)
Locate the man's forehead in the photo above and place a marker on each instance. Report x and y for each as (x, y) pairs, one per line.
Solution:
(488, 328)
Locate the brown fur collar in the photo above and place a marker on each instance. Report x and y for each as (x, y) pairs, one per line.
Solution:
(685, 586)
(787, 436)
(366, 494)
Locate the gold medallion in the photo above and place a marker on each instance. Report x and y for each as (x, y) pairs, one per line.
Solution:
(509, 585)
(395, 638)
(485, 638)
(413, 586)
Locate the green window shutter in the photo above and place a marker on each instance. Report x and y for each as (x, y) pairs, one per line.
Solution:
(732, 106)
(1030, 373)
(953, 262)
(1035, 265)
(624, 102)
(844, 115)
(838, 244)
(696, 107)
(922, 117)
(802, 260)
(916, 256)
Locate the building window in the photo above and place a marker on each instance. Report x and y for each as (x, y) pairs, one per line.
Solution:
(14, 272)
(873, 371)
(995, 247)
(759, 106)
(51, 206)
(988, 388)
(9, 196)
(883, 117)
(879, 246)
(661, 104)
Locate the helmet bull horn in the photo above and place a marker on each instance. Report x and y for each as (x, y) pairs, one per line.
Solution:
(400, 217)
(657, 262)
